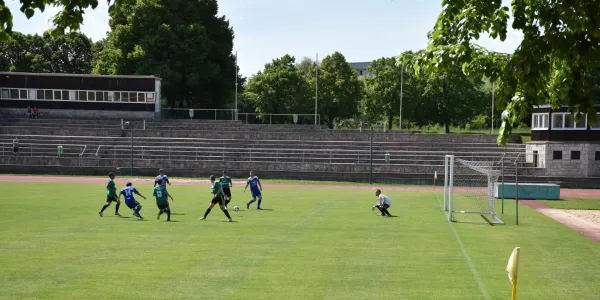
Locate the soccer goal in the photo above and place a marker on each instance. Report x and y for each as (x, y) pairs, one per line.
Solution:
(469, 190)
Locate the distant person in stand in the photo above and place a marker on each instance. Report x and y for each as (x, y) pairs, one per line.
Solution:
(34, 112)
(16, 146)
(28, 112)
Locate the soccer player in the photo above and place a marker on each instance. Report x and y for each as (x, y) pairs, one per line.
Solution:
(383, 203)
(162, 201)
(163, 177)
(217, 192)
(128, 191)
(226, 184)
(255, 189)
(111, 195)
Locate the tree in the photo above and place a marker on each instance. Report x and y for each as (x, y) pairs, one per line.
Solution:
(69, 53)
(71, 15)
(553, 64)
(452, 99)
(280, 88)
(306, 66)
(339, 90)
(382, 91)
(184, 42)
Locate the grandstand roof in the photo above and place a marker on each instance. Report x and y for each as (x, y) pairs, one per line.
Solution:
(80, 75)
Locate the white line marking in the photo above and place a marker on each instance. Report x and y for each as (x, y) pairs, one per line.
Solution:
(312, 214)
(467, 257)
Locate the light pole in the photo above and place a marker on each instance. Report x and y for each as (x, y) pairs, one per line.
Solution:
(236, 87)
(493, 93)
(401, 95)
(316, 85)
(131, 129)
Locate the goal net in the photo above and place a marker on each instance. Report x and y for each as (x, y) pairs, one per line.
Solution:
(469, 190)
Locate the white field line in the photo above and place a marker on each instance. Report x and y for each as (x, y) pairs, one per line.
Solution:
(316, 211)
(480, 283)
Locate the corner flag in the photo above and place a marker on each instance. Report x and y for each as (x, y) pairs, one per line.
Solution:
(434, 178)
(513, 270)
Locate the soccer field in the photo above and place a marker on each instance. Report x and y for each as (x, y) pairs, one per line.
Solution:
(319, 243)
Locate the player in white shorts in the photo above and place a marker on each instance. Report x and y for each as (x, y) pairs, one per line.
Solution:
(383, 203)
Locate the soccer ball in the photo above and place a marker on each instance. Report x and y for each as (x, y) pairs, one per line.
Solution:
(236, 208)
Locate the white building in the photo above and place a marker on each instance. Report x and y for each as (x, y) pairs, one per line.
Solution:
(361, 68)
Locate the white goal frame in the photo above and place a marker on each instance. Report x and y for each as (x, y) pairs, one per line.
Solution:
(449, 207)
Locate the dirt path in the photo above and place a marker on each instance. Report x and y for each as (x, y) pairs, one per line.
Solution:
(575, 220)
(583, 223)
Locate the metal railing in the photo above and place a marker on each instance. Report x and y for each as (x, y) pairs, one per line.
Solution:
(257, 154)
(256, 118)
(206, 114)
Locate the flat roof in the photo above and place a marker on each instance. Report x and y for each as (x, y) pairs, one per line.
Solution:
(81, 75)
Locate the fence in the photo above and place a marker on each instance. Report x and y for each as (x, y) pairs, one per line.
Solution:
(254, 154)
(246, 118)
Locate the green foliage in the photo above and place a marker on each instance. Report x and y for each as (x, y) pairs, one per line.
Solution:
(479, 122)
(70, 17)
(68, 53)
(279, 89)
(382, 91)
(184, 42)
(340, 91)
(554, 63)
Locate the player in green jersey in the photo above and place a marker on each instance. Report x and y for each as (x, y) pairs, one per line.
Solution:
(111, 195)
(217, 192)
(226, 184)
(162, 201)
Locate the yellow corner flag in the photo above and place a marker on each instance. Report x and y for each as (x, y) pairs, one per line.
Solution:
(513, 270)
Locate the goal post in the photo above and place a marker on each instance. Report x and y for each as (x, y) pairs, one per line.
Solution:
(469, 190)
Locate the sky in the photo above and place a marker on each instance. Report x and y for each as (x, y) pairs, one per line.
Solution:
(362, 30)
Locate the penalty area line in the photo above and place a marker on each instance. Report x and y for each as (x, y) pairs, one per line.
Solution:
(312, 214)
(478, 280)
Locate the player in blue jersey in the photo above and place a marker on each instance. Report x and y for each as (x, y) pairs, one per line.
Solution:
(130, 201)
(161, 177)
(255, 189)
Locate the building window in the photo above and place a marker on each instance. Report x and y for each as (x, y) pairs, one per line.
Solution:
(48, 95)
(73, 95)
(557, 155)
(91, 96)
(22, 94)
(65, 95)
(149, 97)
(14, 94)
(540, 121)
(597, 155)
(82, 96)
(57, 95)
(33, 94)
(566, 121)
(597, 125)
(110, 96)
(5, 94)
(575, 155)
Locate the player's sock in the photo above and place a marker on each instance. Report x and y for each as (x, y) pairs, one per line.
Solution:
(251, 201)
(227, 214)
(207, 212)
(227, 202)
(137, 212)
(387, 212)
(117, 207)
(259, 202)
(168, 215)
(104, 208)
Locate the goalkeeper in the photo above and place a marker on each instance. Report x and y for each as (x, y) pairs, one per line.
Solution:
(383, 204)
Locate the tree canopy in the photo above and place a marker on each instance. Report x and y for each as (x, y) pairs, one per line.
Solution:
(68, 53)
(552, 64)
(184, 42)
(69, 17)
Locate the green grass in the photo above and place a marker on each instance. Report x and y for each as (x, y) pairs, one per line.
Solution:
(574, 203)
(313, 244)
